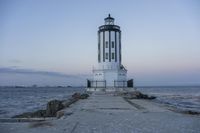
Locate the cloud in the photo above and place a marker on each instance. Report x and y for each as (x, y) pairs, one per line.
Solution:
(16, 76)
(35, 72)
(16, 61)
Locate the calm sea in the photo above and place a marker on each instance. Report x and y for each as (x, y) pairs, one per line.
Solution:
(183, 97)
(18, 100)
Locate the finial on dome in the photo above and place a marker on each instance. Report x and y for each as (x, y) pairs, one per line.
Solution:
(109, 20)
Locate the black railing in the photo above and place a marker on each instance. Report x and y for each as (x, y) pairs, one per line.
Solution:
(117, 84)
(130, 83)
(120, 83)
(96, 83)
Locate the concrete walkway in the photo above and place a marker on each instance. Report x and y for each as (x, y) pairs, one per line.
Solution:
(106, 113)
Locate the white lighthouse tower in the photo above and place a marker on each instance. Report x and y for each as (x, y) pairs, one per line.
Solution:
(110, 74)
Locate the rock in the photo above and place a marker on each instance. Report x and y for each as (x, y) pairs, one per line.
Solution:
(76, 95)
(59, 114)
(24, 115)
(152, 97)
(80, 96)
(39, 113)
(191, 112)
(84, 96)
(53, 106)
(137, 95)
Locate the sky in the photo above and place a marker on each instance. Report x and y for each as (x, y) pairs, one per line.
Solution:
(54, 42)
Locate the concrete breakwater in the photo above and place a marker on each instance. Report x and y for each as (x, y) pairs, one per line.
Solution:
(54, 108)
(105, 112)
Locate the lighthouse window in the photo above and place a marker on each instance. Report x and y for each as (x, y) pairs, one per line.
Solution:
(113, 55)
(113, 44)
(106, 55)
(106, 44)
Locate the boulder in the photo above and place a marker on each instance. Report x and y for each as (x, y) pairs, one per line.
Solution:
(39, 113)
(137, 95)
(151, 97)
(191, 112)
(53, 106)
(59, 114)
(23, 115)
(84, 96)
(76, 95)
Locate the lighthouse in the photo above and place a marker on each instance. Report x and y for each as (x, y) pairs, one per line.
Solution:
(110, 74)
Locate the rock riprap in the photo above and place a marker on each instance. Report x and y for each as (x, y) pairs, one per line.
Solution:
(137, 95)
(53, 107)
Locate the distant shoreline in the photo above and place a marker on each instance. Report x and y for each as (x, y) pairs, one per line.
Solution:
(159, 86)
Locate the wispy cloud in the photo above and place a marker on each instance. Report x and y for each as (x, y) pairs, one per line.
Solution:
(18, 76)
(16, 61)
(38, 72)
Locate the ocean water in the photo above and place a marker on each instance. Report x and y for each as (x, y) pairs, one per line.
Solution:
(18, 100)
(182, 97)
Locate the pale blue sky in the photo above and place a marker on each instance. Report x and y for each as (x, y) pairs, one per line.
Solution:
(160, 38)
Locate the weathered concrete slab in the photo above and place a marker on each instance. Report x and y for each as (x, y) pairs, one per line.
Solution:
(106, 113)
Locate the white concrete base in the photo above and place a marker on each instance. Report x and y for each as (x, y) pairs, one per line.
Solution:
(110, 76)
(110, 89)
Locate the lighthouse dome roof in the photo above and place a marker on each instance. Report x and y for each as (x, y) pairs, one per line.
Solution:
(109, 17)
